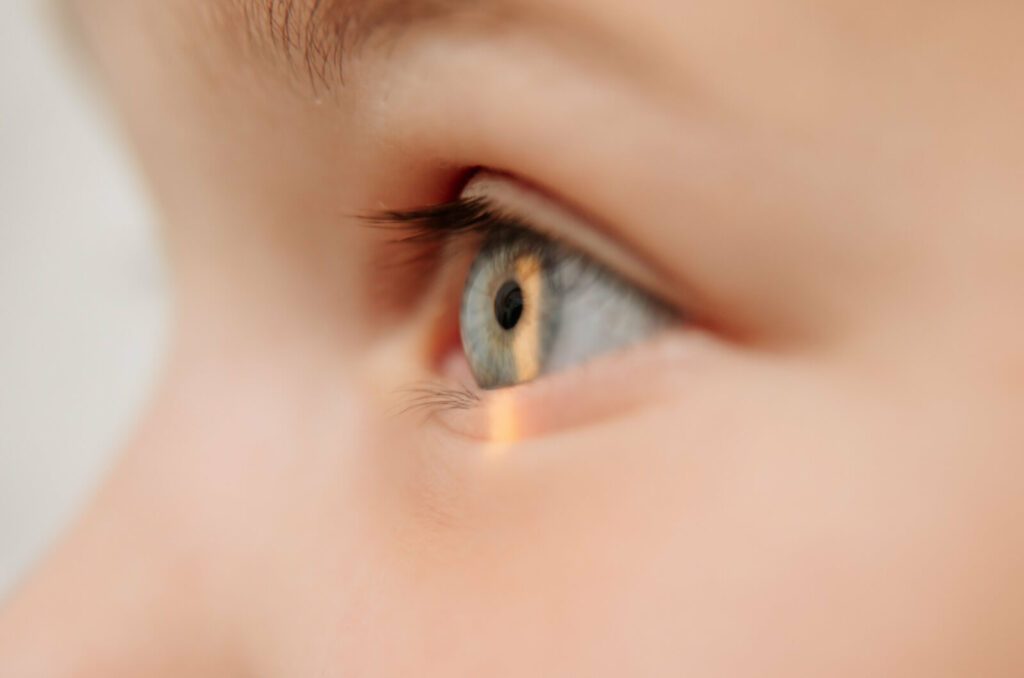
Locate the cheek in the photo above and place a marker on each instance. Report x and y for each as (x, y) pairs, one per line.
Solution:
(805, 529)
(757, 523)
(777, 533)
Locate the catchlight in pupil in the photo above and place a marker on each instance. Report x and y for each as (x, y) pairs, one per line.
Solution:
(508, 305)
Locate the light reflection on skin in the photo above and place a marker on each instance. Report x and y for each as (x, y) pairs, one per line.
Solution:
(503, 422)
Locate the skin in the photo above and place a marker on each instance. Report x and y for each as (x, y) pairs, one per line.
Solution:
(820, 476)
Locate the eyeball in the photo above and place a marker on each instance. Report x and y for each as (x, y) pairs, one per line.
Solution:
(532, 305)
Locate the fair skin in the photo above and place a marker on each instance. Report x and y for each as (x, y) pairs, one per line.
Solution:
(817, 475)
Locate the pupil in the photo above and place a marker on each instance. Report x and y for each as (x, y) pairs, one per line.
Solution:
(508, 305)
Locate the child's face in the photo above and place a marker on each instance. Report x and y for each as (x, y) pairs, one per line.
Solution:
(815, 471)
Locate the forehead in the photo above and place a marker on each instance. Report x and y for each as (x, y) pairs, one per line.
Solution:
(716, 41)
(697, 36)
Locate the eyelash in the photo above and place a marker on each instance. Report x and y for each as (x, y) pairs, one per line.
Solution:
(432, 398)
(426, 232)
(424, 229)
(422, 235)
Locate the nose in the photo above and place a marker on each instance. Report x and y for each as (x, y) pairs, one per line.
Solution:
(119, 596)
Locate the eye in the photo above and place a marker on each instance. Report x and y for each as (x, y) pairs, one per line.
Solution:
(532, 305)
(545, 290)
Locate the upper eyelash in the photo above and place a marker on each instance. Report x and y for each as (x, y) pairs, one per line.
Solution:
(436, 224)
(426, 231)
(425, 234)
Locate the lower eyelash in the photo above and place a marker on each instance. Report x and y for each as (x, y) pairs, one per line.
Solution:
(433, 398)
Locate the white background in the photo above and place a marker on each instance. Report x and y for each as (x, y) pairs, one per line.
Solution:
(82, 298)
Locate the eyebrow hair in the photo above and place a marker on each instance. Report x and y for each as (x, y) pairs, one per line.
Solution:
(319, 35)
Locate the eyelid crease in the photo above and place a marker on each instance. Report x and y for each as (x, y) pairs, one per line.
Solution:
(545, 216)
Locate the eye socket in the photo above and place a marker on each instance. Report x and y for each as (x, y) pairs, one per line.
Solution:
(532, 305)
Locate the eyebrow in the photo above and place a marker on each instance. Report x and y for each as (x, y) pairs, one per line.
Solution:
(320, 35)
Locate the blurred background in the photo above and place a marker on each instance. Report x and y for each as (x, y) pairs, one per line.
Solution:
(82, 294)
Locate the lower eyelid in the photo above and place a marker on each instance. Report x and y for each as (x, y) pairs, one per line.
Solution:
(607, 387)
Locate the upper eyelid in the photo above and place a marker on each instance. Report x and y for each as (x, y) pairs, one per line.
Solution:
(551, 218)
(491, 199)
